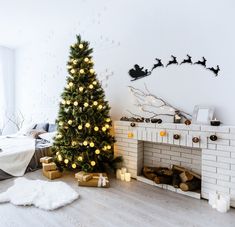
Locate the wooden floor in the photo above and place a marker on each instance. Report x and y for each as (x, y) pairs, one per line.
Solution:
(124, 204)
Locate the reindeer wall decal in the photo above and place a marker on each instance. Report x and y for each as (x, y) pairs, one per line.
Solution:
(173, 61)
(203, 62)
(158, 64)
(215, 70)
(187, 60)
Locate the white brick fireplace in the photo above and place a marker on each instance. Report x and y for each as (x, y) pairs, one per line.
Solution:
(214, 160)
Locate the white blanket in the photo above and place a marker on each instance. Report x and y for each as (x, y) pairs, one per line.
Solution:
(15, 154)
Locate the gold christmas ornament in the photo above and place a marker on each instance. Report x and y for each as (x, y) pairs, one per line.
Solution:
(106, 126)
(87, 125)
(86, 104)
(95, 103)
(81, 89)
(75, 62)
(85, 143)
(70, 84)
(81, 71)
(80, 158)
(70, 122)
(94, 82)
(74, 166)
(57, 153)
(75, 103)
(108, 119)
(69, 66)
(97, 151)
(63, 101)
(86, 59)
(67, 86)
(61, 123)
(81, 46)
(108, 147)
(80, 127)
(92, 163)
(100, 107)
(59, 136)
(103, 129)
(104, 148)
(74, 143)
(92, 144)
(92, 71)
(68, 102)
(91, 86)
(66, 161)
(96, 128)
(72, 71)
(60, 158)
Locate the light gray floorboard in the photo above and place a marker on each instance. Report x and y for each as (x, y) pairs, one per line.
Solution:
(124, 204)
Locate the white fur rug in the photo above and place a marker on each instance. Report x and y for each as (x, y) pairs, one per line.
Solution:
(42, 194)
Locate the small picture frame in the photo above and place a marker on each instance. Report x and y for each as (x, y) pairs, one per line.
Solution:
(203, 114)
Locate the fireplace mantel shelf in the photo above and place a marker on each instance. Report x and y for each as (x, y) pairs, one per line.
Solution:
(217, 157)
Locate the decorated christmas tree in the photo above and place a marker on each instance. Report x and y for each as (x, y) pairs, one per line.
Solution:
(83, 139)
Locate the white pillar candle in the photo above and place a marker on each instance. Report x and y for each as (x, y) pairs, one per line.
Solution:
(118, 174)
(122, 176)
(127, 177)
(213, 197)
(222, 205)
(124, 170)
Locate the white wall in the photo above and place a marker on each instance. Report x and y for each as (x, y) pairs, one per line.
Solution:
(123, 33)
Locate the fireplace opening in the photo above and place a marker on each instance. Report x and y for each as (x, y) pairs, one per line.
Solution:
(171, 167)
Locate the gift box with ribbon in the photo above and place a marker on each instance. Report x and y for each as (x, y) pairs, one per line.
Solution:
(98, 180)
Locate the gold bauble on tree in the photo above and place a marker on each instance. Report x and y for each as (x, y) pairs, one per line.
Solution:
(75, 103)
(96, 128)
(80, 127)
(81, 89)
(92, 71)
(66, 161)
(86, 104)
(93, 163)
(97, 151)
(80, 158)
(87, 125)
(82, 71)
(70, 122)
(80, 46)
(74, 166)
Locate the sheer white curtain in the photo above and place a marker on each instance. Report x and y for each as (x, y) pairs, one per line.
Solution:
(2, 97)
(7, 89)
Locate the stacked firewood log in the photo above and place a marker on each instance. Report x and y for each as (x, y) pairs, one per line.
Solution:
(177, 176)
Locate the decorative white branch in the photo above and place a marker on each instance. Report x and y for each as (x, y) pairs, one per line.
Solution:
(17, 119)
(145, 101)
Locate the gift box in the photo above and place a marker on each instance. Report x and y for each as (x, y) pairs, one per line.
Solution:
(98, 180)
(83, 176)
(52, 174)
(49, 166)
(46, 159)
